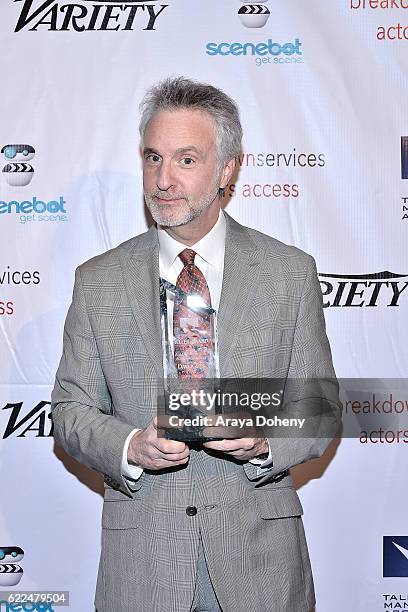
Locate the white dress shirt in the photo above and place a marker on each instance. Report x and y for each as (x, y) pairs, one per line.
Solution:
(210, 260)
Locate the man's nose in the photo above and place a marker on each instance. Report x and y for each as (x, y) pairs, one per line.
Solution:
(165, 178)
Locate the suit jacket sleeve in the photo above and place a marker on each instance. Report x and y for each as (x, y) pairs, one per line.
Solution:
(81, 404)
(310, 360)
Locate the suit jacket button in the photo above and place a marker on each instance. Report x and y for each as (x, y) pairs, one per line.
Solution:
(191, 510)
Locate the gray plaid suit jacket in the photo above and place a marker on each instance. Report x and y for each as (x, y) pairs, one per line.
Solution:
(271, 324)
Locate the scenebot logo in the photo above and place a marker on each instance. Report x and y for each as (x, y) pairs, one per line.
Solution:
(254, 15)
(10, 573)
(17, 172)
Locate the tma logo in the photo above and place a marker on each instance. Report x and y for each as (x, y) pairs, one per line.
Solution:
(254, 15)
(10, 573)
(395, 556)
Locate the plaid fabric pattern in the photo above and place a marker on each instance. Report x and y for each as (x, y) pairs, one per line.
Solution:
(270, 324)
(192, 338)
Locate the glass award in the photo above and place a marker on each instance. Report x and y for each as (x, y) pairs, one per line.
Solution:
(190, 364)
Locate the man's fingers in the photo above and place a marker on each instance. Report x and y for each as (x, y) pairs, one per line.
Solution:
(228, 446)
(224, 445)
(174, 456)
(166, 464)
(170, 447)
(158, 463)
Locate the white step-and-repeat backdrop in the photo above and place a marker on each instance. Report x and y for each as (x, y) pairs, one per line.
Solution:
(322, 88)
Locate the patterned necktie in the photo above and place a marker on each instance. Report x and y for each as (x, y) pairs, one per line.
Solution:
(193, 350)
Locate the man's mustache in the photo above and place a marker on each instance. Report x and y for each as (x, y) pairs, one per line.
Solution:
(167, 196)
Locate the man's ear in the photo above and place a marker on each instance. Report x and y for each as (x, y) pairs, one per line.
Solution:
(227, 172)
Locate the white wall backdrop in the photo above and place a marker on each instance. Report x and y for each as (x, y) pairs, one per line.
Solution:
(321, 168)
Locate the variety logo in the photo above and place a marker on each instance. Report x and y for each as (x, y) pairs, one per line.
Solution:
(395, 556)
(254, 15)
(38, 421)
(358, 290)
(88, 15)
(18, 173)
(10, 573)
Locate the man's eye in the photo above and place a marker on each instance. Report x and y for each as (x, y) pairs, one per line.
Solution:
(187, 161)
(153, 157)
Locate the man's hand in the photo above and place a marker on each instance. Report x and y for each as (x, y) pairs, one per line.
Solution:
(150, 452)
(240, 448)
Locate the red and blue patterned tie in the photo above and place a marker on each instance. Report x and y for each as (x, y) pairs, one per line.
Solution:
(193, 348)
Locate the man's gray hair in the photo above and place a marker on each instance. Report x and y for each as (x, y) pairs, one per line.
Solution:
(180, 93)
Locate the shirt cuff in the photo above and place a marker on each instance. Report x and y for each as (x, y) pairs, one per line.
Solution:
(262, 462)
(131, 472)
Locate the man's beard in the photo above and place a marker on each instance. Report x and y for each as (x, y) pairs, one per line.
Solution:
(172, 215)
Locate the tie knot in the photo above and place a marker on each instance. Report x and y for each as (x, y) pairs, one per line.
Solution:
(187, 257)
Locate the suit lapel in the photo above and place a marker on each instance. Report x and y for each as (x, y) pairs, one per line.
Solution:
(240, 281)
(141, 277)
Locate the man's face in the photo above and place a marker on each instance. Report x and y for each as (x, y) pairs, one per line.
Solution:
(179, 166)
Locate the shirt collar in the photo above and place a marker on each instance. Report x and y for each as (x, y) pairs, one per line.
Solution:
(210, 247)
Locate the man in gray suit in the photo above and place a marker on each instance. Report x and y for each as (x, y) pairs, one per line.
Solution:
(189, 528)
